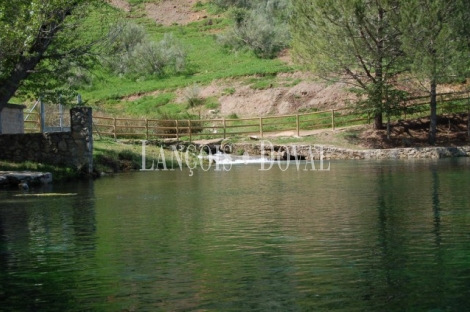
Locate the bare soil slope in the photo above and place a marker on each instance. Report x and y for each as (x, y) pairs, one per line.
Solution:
(283, 97)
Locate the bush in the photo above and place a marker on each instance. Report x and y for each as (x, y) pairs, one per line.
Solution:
(132, 53)
(191, 93)
(124, 36)
(257, 30)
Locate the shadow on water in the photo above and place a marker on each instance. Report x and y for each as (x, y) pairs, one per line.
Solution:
(44, 245)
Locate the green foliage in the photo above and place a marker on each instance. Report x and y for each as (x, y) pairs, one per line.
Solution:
(358, 40)
(381, 98)
(257, 30)
(192, 95)
(41, 48)
(435, 37)
(132, 53)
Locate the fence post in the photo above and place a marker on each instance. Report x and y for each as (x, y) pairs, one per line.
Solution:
(146, 129)
(114, 129)
(468, 119)
(61, 117)
(38, 121)
(224, 124)
(297, 121)
(177, 130)
(261, 127)
(333, 119)
(43, 115)
(189, 127)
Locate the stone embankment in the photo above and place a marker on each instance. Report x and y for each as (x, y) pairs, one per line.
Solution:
(333, 152)
(24, 179)
(72, 149)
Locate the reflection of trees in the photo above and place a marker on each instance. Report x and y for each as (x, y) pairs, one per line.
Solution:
(206, 238)
(386, 274)
(44, 243)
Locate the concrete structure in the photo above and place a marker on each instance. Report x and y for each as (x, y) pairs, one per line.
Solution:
(12, 119)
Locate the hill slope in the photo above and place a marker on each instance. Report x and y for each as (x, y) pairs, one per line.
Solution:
(240, 85)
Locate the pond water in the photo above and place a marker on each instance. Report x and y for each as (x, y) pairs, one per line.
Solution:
(364, 236)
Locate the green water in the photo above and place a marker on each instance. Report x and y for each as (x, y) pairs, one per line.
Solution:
(364, 236)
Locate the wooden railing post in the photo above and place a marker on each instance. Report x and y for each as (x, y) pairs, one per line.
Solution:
(333, 119)
(297, 121)
(114, 129)
(38, 124)
(146, 129)
(261, 127)
(225, 129)
(189, 128)
(177, 130)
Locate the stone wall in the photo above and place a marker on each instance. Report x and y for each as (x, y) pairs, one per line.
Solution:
(11, 119)
(73, 149)
(332, 152)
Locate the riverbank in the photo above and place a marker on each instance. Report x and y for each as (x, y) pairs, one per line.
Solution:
(328, 152)
(408, 141)
(109, 157)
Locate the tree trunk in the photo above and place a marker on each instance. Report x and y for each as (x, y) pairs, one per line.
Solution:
(27, 62)
(378, 123)
(21, 71)
(433, 116)
(388, 126)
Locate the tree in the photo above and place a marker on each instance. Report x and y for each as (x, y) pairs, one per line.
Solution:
(435, 39)
(41, 37)
(357, 40)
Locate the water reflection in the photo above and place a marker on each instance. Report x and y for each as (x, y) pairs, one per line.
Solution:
(44, 245)
(363, 236)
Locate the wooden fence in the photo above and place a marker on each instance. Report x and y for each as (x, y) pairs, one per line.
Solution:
(259, 126)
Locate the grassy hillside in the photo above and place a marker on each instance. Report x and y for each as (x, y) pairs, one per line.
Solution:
(207, 61)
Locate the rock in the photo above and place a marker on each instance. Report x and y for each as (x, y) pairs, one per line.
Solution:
(25, 177)
(3, 181)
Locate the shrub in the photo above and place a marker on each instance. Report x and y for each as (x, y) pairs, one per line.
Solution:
(132, 53)
(257, 30)
(191, 93)
(212, 103)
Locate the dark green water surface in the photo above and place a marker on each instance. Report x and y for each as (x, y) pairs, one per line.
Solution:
(364, 236)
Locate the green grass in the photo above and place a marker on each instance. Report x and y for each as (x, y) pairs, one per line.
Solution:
(211, 103)
(207, 61)
(110, 156)
(150, 106)
(265, 81)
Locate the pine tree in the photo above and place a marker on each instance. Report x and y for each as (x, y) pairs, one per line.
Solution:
(357, 40)
(435, 38)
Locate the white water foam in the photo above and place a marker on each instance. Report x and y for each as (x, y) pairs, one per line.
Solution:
(229, 159)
